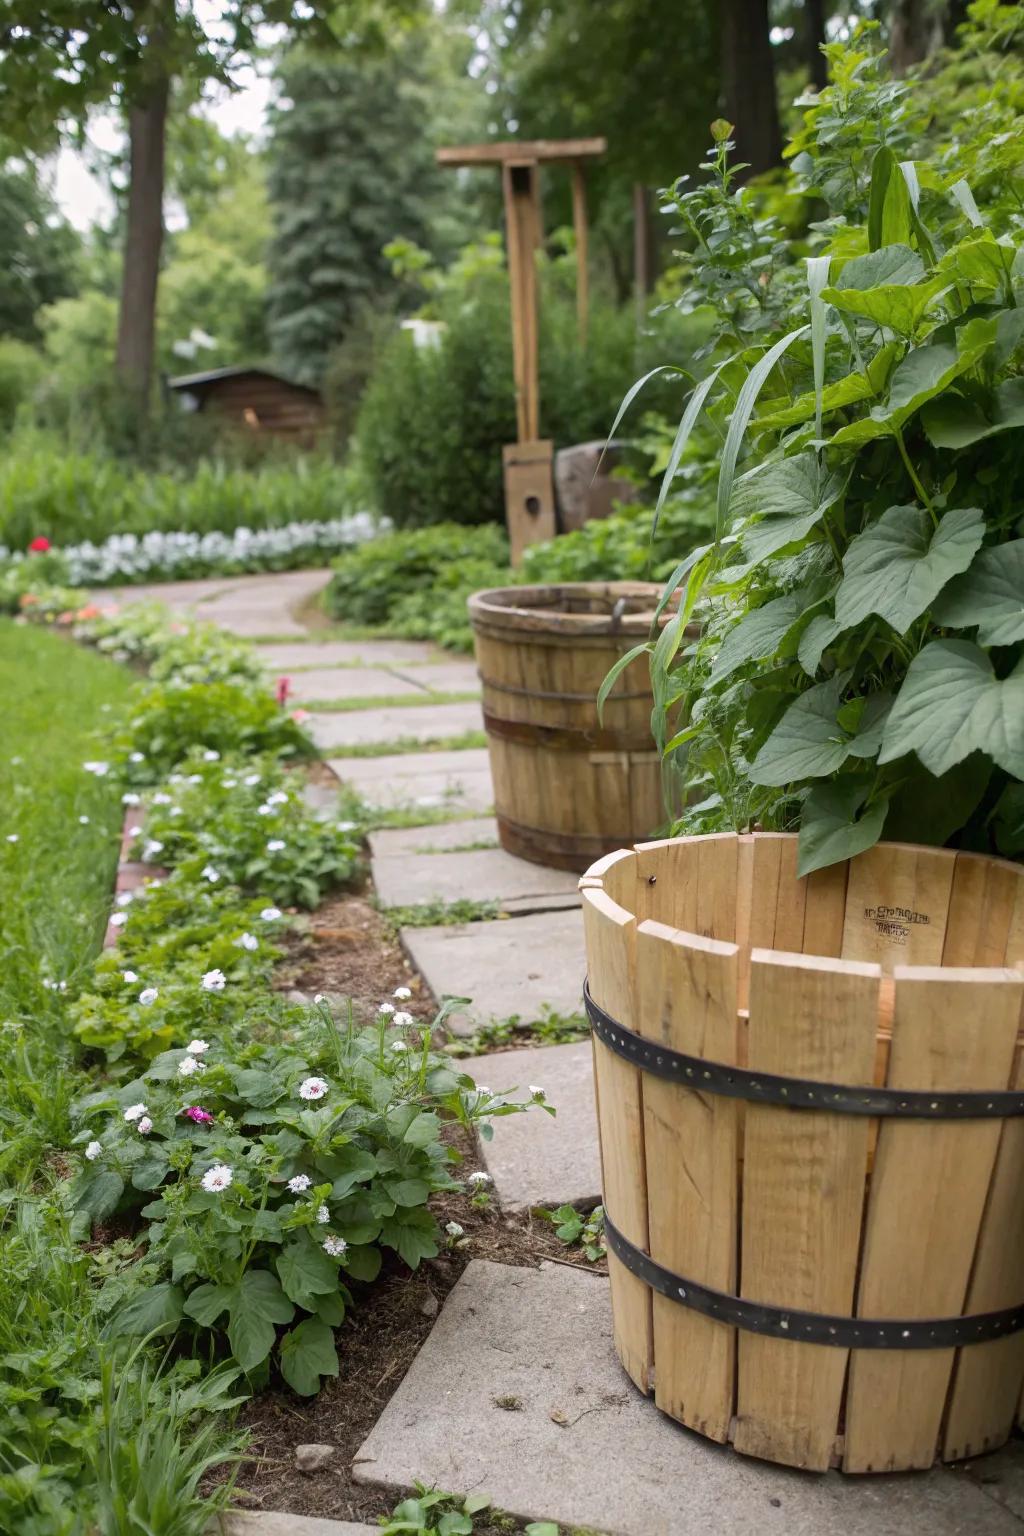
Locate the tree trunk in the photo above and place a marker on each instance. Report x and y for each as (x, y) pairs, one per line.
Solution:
(748, 79)
(814, 36)
(916, 30)
(136, 330)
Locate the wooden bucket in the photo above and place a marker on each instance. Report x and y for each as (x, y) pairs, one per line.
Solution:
(840, 1282)
(568, 787)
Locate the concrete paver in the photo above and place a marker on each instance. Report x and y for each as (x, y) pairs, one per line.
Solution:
(444, 837)
(584, 1448)
(537, 1159)
(264, 1523)
(460, 781)
(444, 676)
(514, 966)
(291, 656)
(483, 874)
(419, 722)
(332, 684)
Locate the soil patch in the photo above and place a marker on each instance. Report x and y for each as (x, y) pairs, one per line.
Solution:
(376, 1346)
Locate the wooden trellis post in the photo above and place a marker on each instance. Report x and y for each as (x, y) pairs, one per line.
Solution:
(529, 489)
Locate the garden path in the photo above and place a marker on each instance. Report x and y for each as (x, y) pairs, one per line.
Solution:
(517, 1391)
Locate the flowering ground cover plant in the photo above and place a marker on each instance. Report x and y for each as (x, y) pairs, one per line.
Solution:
(281, 1170)
(164, 556)
(861, 665)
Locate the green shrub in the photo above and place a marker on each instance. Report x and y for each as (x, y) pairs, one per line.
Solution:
(21, 372)
(220, 717)
(370, 584)
(433, 420)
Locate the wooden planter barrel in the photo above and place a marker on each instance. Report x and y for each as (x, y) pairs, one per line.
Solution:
(568, 787)
(810, 1107)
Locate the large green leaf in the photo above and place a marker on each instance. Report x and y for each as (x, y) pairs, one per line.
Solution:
(954, 421)
(99, 1196)
(924, 373)
(257, 1305)
(951, 704)
(412, 1234)
(926, 809)
(815, 640)
(788, 497)
(208, 1302)
(758, 634)
(889, 208)
(808, 741)
(830, 828)
(899, 564)
(990, 595)
(305, 1271)
(895, 306)
(363, 1262)
(980, 261)
(158, 1306)
(893, 265)
(307, 1353)
(866, 385)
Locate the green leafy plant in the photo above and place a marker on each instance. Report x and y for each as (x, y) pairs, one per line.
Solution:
(220, 717)
(861, 667)
(576, 1228)
(280, 1170)
(371, 583)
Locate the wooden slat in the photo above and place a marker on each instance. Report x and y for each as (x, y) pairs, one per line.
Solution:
(505, 150)
(987, 1378)
(952, 1028)
(791, 901)
(686, 998)
(803, 1196)
(981, 905)
(825, 910)
(897, 901)
(611, 937)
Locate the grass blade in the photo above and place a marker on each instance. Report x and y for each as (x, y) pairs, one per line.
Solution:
(745, 402)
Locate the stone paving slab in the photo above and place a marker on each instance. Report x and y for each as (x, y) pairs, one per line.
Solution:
(460, 781)
(483, 874)
(446, 836)
(246, 605)
(509, 966)
(586, 1449)
(264, 1523)
(333, 683)
(444, 676)
(535, 1159)
(367, 727)
(292, 656)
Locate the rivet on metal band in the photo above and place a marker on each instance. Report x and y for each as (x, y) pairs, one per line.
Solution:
(813, 1327)
(794, 1092)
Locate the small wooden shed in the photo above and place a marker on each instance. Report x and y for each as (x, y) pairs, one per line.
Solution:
(256, 399)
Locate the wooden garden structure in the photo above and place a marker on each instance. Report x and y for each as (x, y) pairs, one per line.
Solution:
(812, 1137)
(529, 490)
(255, 400)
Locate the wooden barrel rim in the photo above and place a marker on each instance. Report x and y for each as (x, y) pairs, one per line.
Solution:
(546, 610)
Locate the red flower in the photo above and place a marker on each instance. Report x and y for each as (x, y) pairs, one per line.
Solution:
(283, 689)
(40, 545)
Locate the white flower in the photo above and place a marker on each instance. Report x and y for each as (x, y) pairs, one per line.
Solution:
(402, 993)
(118, 919)
(188, 1066)
(134, 1112)
(148, 995)
(210, 756)
(93, 1150)
(277, 798)
(217, 1178)
(403, 1020)
(130, 798)
(347, 826)
(399, 1045)
(12, 837)
(83, 821)
(485, 1092)
(312, 1088)
(129, 976)
(247, 941)
(300, 1182)
(134, 831)
(150, 850)
(535, 1092)
(99, 769)
(335, 1246)
(320, 997)
(194, 778)
(480, 1179)
(386, 1008)
(161, 799)
(453, 1229)
(214, 981)
(270, 914)
(229, 783)
(323, 1215)
(125, 898)
(276, 844)
(211, 874)
(136, 757)
(251, 779)
(144, 1126)
(197, 1047)
(264, 810)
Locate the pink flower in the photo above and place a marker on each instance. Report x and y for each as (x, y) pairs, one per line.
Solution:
(200, 1116)
(40, 545)
(282, 690)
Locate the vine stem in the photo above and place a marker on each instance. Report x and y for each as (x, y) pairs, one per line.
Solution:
(912, 472)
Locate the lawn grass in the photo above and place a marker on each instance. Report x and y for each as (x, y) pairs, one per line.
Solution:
(55, 881)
